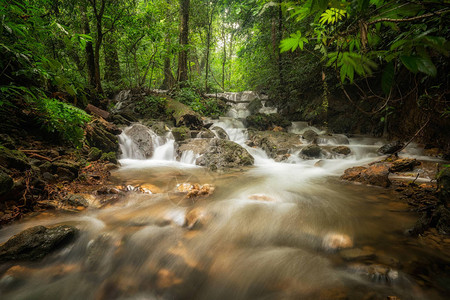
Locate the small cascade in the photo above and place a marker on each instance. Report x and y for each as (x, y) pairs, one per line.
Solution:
(267, 109)
(298, 127)
(128, 148)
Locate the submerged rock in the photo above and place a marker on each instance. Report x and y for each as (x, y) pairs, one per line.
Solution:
(36, 242)
(225, 154)
(335, 241)
(377, 174)
(341, 150)
(356, 254)
(391, 148)
(443, 179)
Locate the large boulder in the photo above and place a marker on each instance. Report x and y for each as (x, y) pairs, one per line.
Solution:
(100, 136)
(36, 242)
(225, 154)
(391, 148)
(377, 174)
(274, 143)
(197, 146)
(142, 136)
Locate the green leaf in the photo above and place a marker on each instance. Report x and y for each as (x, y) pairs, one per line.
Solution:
(387, 78)
(425, 65)
(410, 62)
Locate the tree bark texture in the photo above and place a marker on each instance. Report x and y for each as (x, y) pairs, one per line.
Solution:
(184, 40)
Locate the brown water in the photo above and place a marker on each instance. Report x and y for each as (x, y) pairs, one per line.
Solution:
(262, 234)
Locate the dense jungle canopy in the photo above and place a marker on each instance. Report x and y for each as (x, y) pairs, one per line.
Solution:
(375, 58)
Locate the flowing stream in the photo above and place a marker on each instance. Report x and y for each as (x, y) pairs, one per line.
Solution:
(270, 231)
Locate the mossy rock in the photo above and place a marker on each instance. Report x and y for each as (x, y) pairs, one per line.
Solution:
(443, 179)
(110, 156)
(6, 183)
(254, 106)
(264, 122)
(94, 154)
(13, 159)
(312, 151)
(98, 136)
(181, 133)
(223, 154)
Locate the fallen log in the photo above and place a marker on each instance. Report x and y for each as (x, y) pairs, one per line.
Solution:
(184, 115)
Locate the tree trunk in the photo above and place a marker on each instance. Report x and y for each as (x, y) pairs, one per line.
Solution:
(279, 56)
(184, 40)
(169, 80)
(89, 49)
(112, 66)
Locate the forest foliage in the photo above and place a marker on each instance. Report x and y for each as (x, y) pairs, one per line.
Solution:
(58, 54)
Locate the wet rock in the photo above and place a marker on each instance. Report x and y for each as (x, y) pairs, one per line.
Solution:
(195, 190)
(274, 143)
(377, 174)
(198, 146)
(76, 200)
(225, 154)
(196, 218)
(335, 241)
(6, 183)
(220, 132)
(311, 151)
(94, 154)
(36, 242)
(107, 190)
(13, 159)
(404, 165)
(309, 135)
(160, 128)
(206, 134)
(266, 122)
(142, 137)
(341, 150)
(181, 133)
(254, 106)
(391, 148)
(97, 135)
(356, 254)
(376, 273)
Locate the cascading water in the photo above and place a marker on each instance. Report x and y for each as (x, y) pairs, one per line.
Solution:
(277, 230)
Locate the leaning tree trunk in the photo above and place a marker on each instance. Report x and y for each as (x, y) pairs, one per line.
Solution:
(184, 40)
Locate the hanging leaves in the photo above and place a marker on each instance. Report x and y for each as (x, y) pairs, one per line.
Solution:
(295, 41)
